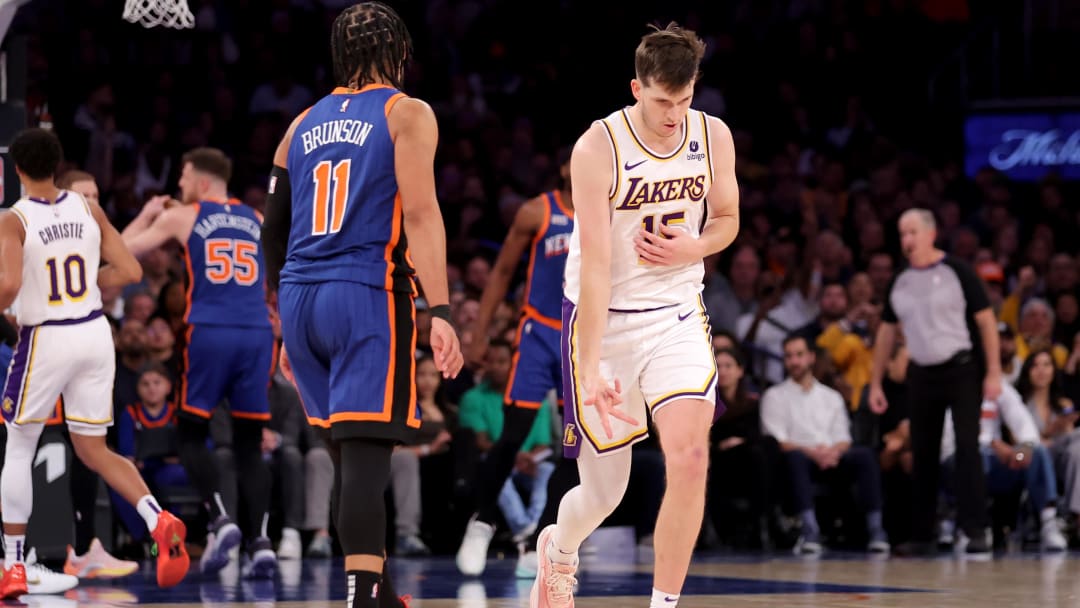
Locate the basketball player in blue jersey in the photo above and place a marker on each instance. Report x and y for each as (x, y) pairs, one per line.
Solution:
(362, 165)
(229, 346)
(654, 193)
(542, 226)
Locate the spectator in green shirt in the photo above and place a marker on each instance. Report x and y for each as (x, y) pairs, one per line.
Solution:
(482, 411)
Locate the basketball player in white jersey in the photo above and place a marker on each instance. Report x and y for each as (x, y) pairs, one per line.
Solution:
(52, 243)
(655, 192)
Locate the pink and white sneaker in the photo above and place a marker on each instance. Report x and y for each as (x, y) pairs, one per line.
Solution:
(554, 585)
(97, 563)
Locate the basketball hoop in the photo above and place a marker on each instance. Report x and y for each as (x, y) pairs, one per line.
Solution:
(152, 13)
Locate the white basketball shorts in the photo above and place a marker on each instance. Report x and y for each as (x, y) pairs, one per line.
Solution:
(659, 356)
(73, 359)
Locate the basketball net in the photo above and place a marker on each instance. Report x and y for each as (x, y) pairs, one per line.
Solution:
(152, 13)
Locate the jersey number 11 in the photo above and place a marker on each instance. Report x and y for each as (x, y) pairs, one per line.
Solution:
(331, 184)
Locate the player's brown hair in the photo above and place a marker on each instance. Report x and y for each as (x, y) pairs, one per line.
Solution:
(369, 40)
(669, 57)
(68, 178)
(211, 161)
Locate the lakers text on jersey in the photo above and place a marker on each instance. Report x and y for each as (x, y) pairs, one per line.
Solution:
(649, 190)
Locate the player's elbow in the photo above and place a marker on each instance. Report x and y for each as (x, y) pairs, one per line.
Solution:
(135, 272)
(129, 271)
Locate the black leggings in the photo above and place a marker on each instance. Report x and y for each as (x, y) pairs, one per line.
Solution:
(361, 477)
(359, 512)
(253, 473)
(496, 467)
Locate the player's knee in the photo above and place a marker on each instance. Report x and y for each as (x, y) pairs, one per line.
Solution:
(687, 461)
(365, 473)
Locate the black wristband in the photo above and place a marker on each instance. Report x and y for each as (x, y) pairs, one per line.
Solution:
(442, 311)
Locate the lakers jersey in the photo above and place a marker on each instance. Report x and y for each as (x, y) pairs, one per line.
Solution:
(61, 255)
(650, 190)
(547, 260)
(225, 267)
(347, 221)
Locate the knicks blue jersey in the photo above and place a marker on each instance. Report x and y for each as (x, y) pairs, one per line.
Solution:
(225, 267)
(346, 212)
(547, 260)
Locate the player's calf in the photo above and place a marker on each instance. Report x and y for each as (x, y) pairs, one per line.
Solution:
(683, 426)
(120, 474)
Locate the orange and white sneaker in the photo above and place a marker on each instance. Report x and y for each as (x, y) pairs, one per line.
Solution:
(97, 563)
(13, 585)
(172, 555)
(554, 585)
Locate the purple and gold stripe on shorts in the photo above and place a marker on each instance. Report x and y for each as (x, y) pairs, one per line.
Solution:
(18, 378)
(574, 404)
(571, 427)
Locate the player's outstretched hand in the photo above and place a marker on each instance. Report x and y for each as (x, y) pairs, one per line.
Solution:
(672, 247)
(599, 394)
(444, 341)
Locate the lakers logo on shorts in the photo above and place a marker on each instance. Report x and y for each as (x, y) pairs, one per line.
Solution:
(8, 408)
(570, 438)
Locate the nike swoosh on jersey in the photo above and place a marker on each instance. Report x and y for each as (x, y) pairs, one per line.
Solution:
(628, 167)
(686, 316)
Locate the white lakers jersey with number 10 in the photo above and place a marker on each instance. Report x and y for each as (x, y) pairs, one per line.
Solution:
(61, 255)
(649, 190)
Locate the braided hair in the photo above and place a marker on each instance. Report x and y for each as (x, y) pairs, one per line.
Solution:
(369, 40)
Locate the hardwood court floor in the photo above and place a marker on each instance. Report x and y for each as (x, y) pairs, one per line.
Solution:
(740, 581)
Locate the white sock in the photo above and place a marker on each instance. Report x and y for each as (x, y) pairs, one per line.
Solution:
(1048, 514)
(663, 600)
(14, 549)
(149, 510)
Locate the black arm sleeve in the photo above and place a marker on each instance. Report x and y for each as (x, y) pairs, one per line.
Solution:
(276, 225)
(974, 291)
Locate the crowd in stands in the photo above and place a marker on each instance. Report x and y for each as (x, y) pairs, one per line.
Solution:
(829, 154)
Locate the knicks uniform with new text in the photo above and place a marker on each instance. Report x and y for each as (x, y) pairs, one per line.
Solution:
(229, 350)
(346, 294)
(65, 343)
(657, 339)
(537, 365)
